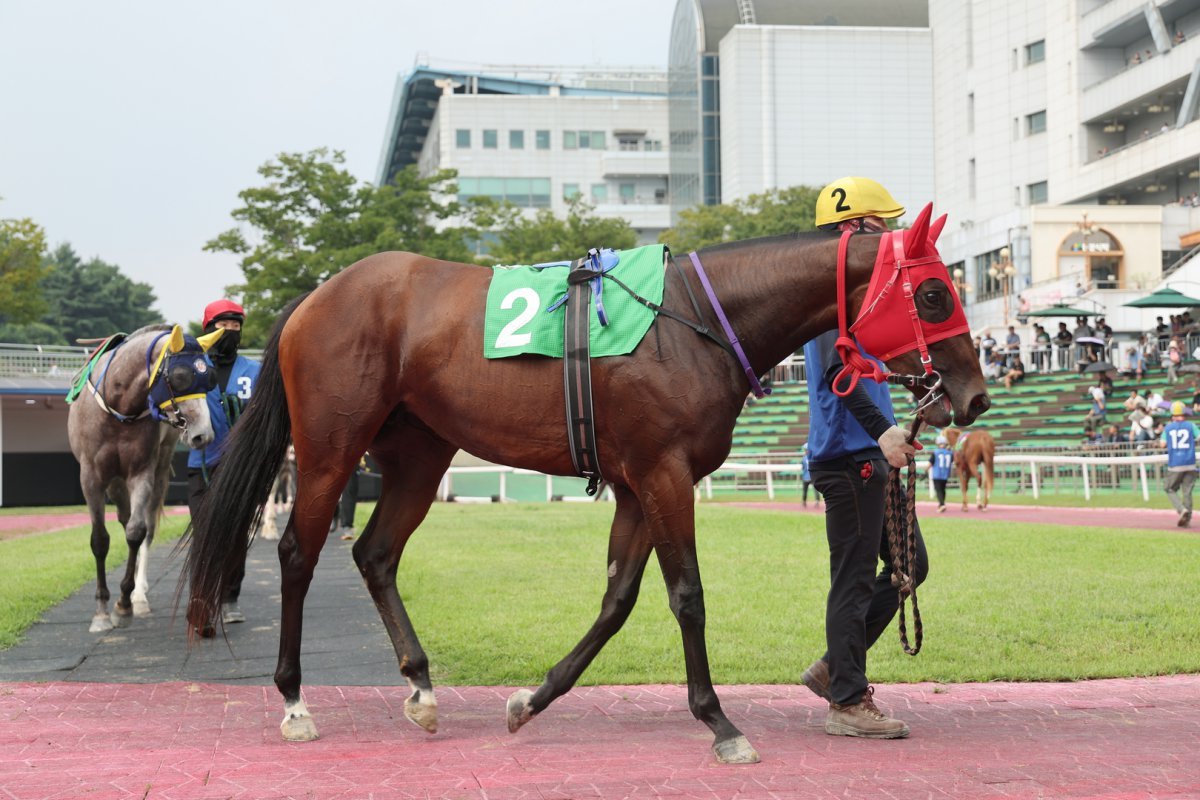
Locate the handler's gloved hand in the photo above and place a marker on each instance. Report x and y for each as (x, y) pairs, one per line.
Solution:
(895, 446)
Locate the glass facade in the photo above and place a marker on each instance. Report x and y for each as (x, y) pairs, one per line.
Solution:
(683, 98)
(521, 192)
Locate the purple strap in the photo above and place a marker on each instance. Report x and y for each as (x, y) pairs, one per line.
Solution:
(755, 386)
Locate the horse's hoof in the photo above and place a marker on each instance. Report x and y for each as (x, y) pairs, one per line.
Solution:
(735, 751)
(100, 624)
(519, 711)
(121, 617)
(421, 712)
(141, 608)
(208, 631)
(299, 728)
(982, 507)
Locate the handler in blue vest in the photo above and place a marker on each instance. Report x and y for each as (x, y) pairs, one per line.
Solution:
(851, 442)
(1179, 437)
(236, 375)
(939, 469)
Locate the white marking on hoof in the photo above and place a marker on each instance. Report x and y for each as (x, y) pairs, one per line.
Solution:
(297, 725)
(141, 608)
(735, 751)
(100, 624)
(421, 709)
(519, 711)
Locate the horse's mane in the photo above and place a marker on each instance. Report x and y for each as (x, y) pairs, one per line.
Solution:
(782, 238)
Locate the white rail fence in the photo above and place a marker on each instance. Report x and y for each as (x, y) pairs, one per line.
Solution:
(1095, 472)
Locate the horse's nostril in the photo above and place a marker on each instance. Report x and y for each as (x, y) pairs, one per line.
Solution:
(980, 403)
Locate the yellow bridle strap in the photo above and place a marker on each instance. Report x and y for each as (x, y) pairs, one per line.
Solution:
(179, 399)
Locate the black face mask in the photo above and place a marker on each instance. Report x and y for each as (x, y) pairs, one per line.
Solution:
(225, 349)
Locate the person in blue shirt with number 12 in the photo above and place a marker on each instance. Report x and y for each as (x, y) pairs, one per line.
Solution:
(940, 461)
(1179, 437)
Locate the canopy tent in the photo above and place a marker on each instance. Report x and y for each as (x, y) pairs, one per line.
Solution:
(1165, 297)
(1061, 310)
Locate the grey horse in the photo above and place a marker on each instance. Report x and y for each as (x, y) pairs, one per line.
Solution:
(130, 405)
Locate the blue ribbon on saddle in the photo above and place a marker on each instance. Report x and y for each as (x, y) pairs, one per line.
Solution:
(597, 261)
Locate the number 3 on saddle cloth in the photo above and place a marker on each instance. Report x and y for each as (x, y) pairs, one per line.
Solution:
(546, 309)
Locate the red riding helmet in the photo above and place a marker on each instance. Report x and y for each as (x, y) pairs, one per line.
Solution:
(222, 309)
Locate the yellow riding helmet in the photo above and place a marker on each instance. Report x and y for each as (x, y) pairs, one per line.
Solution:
(851, 198)
(1177, 409)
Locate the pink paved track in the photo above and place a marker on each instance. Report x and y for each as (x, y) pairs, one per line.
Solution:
(13, 525)
(1129, 738)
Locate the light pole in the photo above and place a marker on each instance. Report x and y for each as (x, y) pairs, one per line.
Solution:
(960, 284)
(1003, 271)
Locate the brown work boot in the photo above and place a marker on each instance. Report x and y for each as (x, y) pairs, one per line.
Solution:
(816, 678)
(863, 719)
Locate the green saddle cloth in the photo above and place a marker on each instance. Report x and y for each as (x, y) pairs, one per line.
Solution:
(517, 323)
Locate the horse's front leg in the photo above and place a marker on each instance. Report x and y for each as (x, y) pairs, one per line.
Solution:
(671, 516)
(94, 493)
(628, 552)
(964, 478)
(136, 518)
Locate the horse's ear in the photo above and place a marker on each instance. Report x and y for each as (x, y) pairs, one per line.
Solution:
(209, 339)
(914, 241)
(935, 228)
(175, 342)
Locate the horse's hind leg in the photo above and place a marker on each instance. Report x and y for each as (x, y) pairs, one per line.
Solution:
(93, 491)
(409, 487)
(964, 480)
(628, 550)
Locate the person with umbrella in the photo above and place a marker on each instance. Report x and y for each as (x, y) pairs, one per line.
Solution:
(1179, 439)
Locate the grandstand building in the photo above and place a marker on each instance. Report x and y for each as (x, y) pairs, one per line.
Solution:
(767, 94)
(1067, 151)
(539, 136)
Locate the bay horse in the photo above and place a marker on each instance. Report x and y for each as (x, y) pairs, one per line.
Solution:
(973, 459)
(148, 390)
(387, 356)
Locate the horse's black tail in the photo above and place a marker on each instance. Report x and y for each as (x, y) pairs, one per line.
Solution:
(231, 508)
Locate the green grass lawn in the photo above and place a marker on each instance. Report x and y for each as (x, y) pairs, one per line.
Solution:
(499, 593)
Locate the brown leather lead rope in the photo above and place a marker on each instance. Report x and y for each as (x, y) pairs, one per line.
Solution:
(900, 520)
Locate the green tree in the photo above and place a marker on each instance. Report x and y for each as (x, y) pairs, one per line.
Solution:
(312, 219)
(771, 213)
(84, 300)
(545, 237)
(22, 247)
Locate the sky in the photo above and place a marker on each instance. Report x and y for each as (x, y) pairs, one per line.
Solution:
(127, 128)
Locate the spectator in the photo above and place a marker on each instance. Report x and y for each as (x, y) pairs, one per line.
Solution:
(1106, 383)
(1012, 344)
(1016, 372)
(1112, 434)
(1140, 425)
(940, 461)
(994, 368)
(1134, 400)
(1079, 290)
(1196, 398)
(1082, 329)
(1136, 364)
(1154, 400)
(1179, 37)
(1022, 309)
(1179, 438)
(1042, 353)
(1062, 339)
(1099, 404)
(1162, 331)
(1104, 330)
(1137, 59)
(1174, 359)
(988, 343)
(1165, 128)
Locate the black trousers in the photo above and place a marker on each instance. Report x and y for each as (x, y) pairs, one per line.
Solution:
(197, 486)
(861, 602)
(939, 486)
(344, 516)
(804, 495)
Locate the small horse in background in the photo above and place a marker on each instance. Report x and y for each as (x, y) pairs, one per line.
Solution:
(149, 389)
(973, 460)
(282, 496)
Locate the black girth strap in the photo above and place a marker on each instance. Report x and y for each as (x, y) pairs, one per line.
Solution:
(577, 374)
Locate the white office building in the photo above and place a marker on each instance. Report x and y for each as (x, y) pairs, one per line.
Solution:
(538, 137)
(767, 94)
(1065, 138)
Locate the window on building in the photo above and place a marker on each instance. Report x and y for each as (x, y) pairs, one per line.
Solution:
(570, 140)
(971, 112)
(1038, 193)
(543, 140)
(1035, 122)
(627, 192)
(628, 141)
(521, 192)
(599, 193)
(570, 191)
(971, 179)
(490, 140)
(516, 140)
(1035, 51)
(462, 138)
(1098, 253)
